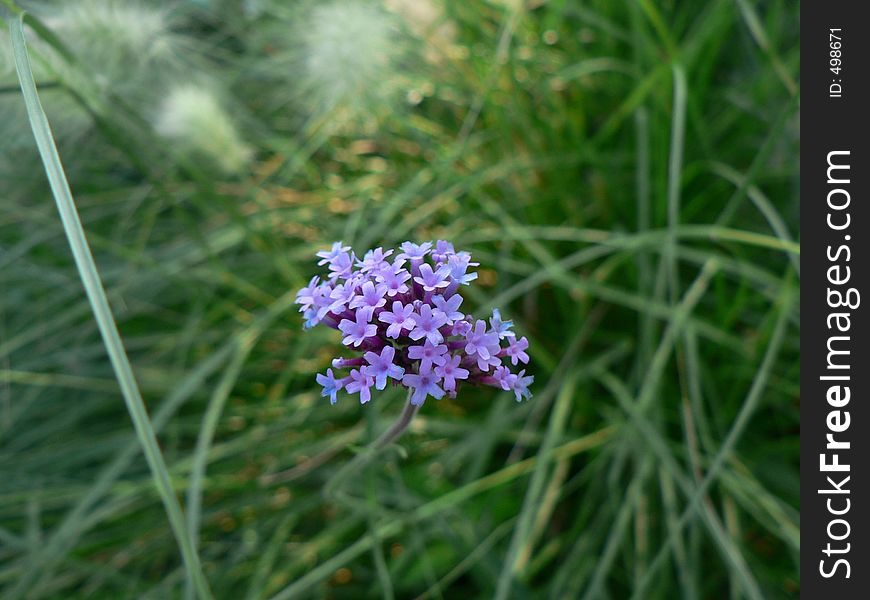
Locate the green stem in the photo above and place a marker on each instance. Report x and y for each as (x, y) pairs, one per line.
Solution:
(399, 427)
(389, 436)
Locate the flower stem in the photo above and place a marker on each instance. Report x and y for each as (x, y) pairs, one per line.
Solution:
(389, 436)
(399, 427)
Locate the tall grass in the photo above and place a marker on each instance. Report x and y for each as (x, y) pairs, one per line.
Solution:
(627, 177)
(93, 286)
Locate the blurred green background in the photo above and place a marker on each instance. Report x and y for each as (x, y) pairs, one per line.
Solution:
(625, 172)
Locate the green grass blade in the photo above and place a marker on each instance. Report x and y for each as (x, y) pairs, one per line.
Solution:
(675, 177)
(204, 443)
(437, 506)
(753, 23)
(749, 406)
(100, 305)
(532, 502)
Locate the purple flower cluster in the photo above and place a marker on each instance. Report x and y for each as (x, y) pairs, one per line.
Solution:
(402, 311)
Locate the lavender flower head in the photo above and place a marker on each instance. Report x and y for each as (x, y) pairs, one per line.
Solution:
(401, 311)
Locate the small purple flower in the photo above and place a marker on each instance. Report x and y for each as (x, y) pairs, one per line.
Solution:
(462, 327)
(311, 319)
(356, 332)
(341, 265)
(425, 384)
(478, 341)
(502, 328)
(428, 354)
(341, 296)
(374, 260)
(458, 265)
(401, 318)
(416, 254)
(504, 378)
(372, 297)
(328, 255)
(521, 385)
(450, 371)
(427, 324)
(485, 363)
(317, 301)
(449, 308)
(346, 363)
(516, 350)
(379, 299)
(484, 345)
(330, 384)
(305, 296)
(360, 382)
(432, 280)
(412, 251)
(442, 251)
(381, 366)
(394, 280)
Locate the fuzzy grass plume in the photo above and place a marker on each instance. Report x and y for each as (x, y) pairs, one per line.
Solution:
(192, 118)
(126, 43)
(118, 49)
(350, 51)
(341, 65)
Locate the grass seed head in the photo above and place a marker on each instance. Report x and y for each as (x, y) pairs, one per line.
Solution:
(192, 118)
